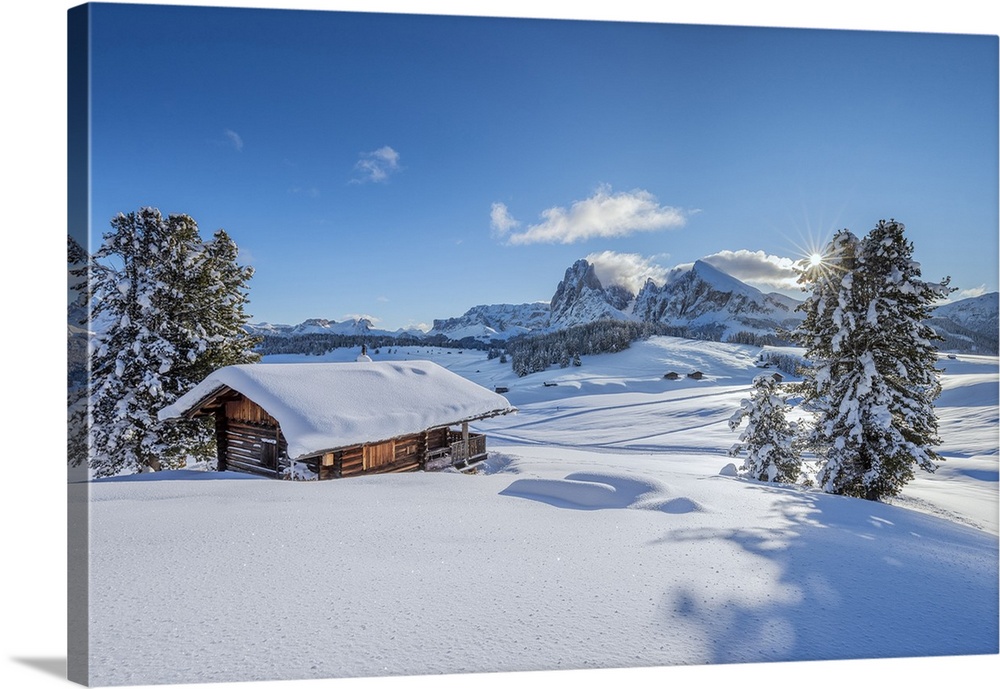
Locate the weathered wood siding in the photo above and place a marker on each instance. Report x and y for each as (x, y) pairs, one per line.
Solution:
(437, 438)
(249, 439)
(253, 448)
(250, 412)
(401, 454)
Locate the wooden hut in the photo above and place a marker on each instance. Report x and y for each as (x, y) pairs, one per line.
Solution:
(345, 419)
(696, 375)
(672, 375)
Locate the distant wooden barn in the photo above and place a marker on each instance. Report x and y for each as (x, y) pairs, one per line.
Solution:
(672, 375)
(328, 421)
(697, 375)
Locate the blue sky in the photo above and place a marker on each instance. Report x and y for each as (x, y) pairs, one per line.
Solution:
(407, 168)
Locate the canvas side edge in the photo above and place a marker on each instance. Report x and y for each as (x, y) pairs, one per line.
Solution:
(78, 223)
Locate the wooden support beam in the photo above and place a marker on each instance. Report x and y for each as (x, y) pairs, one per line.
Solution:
(221, 445)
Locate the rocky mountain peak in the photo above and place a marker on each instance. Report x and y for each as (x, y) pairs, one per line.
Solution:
(581, 298)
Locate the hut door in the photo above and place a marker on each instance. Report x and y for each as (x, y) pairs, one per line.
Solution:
(269, 454)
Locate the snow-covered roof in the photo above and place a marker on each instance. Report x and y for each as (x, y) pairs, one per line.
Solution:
(328, 405)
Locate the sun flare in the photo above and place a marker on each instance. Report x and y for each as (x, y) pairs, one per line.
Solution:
(815, 260)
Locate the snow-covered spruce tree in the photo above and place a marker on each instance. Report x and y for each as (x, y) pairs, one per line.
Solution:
(769, 440)
(221, 292)
(872, 379)
(173, 305)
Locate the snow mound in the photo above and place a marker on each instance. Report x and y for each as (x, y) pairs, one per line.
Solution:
(680, 505)
(598, 491)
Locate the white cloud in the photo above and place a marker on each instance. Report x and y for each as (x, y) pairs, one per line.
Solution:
(604, 214)
(628, 270)
(381, 298)
(967, 293)
(360, 316)
(235, 139)
(377, 165)
(756, 268)
(501, 221)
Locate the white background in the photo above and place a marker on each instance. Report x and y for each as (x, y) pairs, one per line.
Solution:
(33, 107)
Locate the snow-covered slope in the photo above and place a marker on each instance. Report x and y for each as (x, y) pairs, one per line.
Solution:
(975, 313)
(601, 534)
(494, 321)
(969, 325)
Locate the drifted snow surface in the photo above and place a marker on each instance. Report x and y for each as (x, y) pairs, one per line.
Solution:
(602, 533)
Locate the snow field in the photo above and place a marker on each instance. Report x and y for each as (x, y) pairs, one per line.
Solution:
(599, 534)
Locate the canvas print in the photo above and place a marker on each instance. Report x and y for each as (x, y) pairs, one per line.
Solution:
(409, 344)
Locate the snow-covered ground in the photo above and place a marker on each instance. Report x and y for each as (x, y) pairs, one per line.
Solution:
(601, 533)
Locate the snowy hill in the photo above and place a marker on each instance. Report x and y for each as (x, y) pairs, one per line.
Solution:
(969, 325)
(494, 322)
(602, 533)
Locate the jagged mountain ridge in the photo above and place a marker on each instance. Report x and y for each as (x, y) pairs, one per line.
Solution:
(702, 298)
(581, 298)
(494, 321)
(323, 326)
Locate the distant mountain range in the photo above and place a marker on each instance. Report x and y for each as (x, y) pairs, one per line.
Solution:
(700, 298)
(968, 325)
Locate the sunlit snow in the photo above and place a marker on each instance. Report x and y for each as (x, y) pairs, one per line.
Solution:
(605, 531)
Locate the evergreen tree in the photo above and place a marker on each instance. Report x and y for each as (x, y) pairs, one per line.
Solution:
(222, 293)
(871, 381)
(172, 308)
(769, 439)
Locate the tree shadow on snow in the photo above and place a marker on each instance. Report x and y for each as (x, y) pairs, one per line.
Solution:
(855, 580)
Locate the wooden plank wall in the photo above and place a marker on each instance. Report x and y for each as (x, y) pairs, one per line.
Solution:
(437, 437)
(247, 411)
(244, 447)
(406, 454)
(248, 428)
